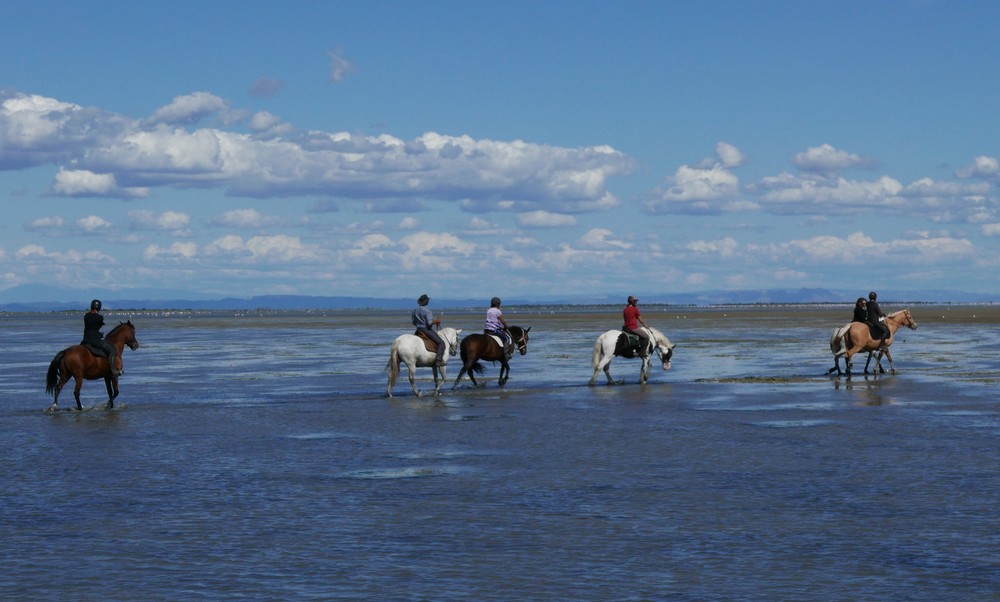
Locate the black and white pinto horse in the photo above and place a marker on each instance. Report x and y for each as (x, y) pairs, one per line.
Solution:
(615, 342)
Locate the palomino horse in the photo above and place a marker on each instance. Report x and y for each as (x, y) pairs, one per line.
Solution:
(857, 338)
(614, 342)
(79, 363)
(410, 349)
(477, 347)
(838, 346)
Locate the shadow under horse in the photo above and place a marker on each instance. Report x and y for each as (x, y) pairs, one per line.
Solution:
(79, 363)
(477, 347)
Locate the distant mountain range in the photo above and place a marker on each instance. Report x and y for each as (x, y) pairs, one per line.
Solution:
(39, 298)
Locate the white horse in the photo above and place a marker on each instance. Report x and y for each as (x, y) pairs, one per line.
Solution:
(410, 348)
(610, 344)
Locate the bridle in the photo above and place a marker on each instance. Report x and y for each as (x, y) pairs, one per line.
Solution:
(522, 342)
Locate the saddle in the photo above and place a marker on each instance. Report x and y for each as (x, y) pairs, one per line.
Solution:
(94, 349)
(628, 345)
(429, 344)
(875, 331)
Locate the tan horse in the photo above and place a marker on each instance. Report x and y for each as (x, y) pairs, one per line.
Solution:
(858, 338)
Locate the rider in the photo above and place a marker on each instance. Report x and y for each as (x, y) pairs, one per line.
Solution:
(93, 321)
(423, 319)
(876, 317)
(632, 321)
(496, 325)
(860, 311)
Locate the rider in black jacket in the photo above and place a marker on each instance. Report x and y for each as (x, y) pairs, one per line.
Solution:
(876, 317)
(93, 322)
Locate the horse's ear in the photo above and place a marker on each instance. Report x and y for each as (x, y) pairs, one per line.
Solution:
(459, 331)
(528, 330)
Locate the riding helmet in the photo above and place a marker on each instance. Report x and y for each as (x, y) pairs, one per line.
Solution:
(872, 295)
(423, 299)
(95, 305)
(495, 302)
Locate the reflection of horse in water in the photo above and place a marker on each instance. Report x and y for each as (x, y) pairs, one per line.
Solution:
(856, 337)
(79, 363)
(616, 342)
(477, 347)
(411, 350)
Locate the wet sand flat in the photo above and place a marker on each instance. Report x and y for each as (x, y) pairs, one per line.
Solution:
(255, 455)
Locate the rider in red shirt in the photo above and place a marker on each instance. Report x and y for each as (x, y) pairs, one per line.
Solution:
(632, 321)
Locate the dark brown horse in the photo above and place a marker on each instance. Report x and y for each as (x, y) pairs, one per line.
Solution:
(477, 347)
(79, 363)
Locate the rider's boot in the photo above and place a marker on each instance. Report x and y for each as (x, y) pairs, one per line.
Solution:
(439, 362)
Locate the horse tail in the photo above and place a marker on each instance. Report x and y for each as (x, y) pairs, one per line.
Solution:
(52, 377)
(598, 353)
(392, 368)
(476, 368)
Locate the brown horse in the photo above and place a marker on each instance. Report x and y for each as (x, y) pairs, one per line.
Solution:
(858, 338)
(79, 363)
(477, 347)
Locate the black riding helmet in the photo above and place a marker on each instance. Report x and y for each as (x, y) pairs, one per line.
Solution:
(95, 305)
(495, 302)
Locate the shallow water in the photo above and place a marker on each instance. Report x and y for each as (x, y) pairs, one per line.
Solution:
(744, 472)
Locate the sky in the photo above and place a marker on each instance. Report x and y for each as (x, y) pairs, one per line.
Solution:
(530, 149)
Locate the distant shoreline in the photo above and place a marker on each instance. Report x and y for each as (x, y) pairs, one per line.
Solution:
(527, 309)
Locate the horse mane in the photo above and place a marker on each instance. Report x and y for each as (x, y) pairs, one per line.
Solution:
(120, 325)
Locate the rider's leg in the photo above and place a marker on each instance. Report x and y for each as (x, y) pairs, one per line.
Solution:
(439, 346)
(112, 359)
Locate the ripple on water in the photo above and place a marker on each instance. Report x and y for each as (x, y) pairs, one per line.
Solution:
(409, 472)
(793, 423)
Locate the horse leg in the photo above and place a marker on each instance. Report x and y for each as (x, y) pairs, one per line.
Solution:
(438, 382)
(411, 370)
(76, 391)
(504, 373)
(644, 370)
(461, 373)
(392, 383)
(836, 365)
(112, 386)
(605, 365)
(892, 369)
(63, 379)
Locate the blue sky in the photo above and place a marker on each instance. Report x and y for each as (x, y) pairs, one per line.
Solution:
(528, 149)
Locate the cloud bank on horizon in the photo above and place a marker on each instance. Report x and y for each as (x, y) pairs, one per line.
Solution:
(215, 194)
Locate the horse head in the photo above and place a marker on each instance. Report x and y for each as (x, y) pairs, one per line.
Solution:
(450, 336)
(905, 318)
(663, 346)
(520, 338)
(126, 331)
